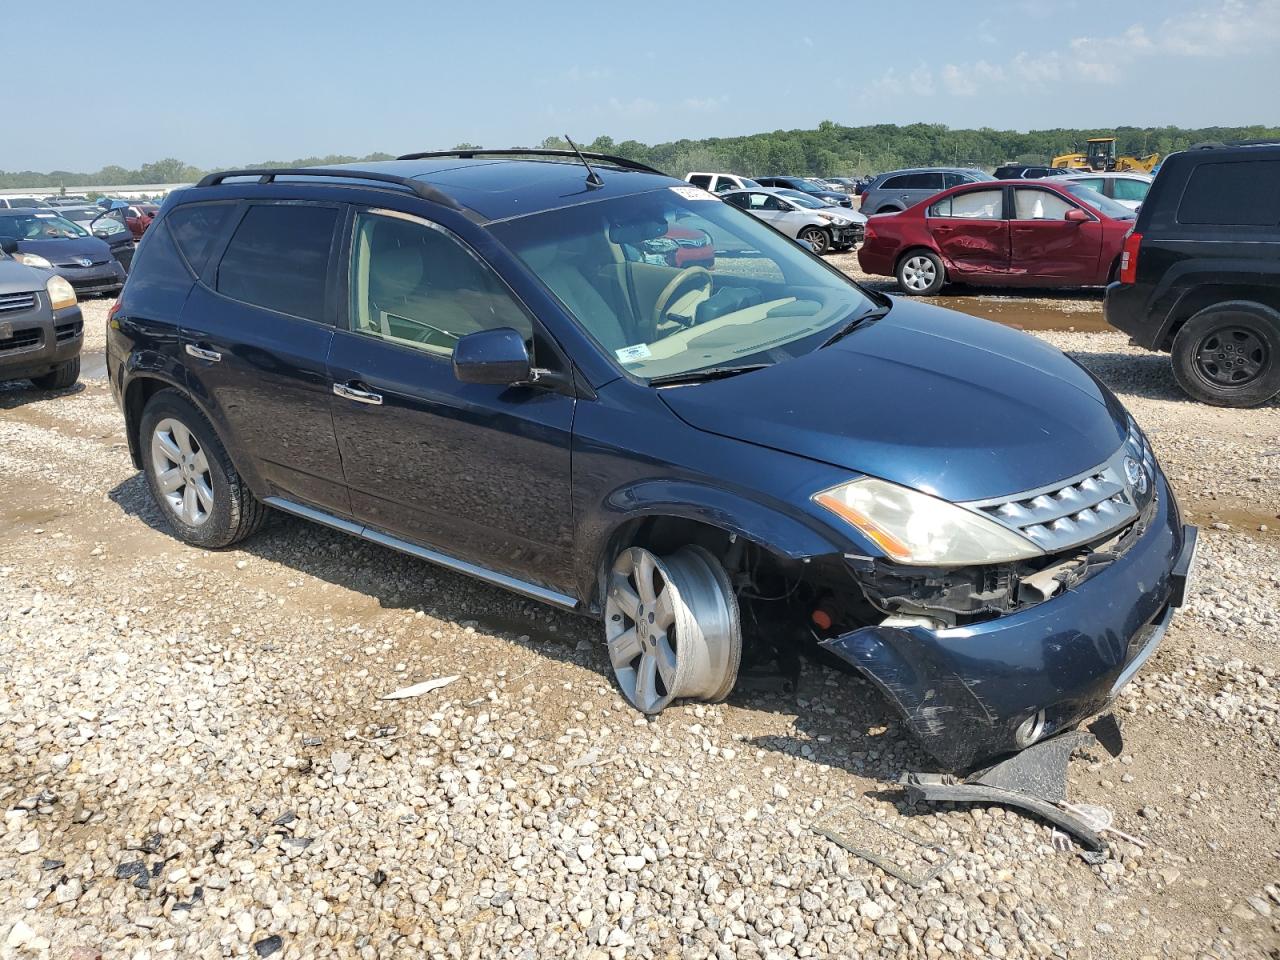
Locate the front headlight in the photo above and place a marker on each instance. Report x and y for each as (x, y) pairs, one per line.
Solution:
(61, 293)
(916, 528)
(33, 260)
(831, 217)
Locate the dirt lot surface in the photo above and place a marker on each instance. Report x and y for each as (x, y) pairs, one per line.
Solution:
(195, 762)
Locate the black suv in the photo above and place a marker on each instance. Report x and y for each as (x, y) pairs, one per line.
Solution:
(1200, 273)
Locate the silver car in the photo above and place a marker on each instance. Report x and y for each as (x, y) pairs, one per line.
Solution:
(1127, 189)
(896, 190)
(802, 217)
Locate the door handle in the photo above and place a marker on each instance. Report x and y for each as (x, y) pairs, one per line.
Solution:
(200, 353)
(351, 392)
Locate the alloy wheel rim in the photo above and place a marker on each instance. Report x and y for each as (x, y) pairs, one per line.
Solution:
(919, 273)
(818, 239)
(671, 628)
(182, 472)
(1231, 356)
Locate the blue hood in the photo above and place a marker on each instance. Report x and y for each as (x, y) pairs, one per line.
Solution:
(59, 251)
(929, 398)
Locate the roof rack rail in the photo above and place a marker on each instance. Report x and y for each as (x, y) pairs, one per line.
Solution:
(622, 162)
(269, 175)
(1223, 144)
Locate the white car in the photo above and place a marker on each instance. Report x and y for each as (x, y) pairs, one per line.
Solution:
(720, 182)
(803, 217)
(1127, 189)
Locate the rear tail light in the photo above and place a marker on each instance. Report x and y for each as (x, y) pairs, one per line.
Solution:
(1129, 257)
(112, 311)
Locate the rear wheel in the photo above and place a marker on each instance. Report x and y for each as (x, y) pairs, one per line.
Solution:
(672, 627)
(920, 273)
(191, 476)
(60, 377)
(1229, 354)
(817, 238)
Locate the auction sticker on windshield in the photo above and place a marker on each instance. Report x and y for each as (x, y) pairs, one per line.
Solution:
(633, 354)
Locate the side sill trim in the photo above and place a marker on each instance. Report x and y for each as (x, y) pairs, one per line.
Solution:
(423, 553)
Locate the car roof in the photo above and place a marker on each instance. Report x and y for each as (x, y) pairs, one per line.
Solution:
(1136, 174)
(772, 191)
(891, 173)
(493, 188)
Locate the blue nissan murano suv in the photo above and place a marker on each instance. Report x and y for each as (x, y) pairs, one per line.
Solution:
(577, 378)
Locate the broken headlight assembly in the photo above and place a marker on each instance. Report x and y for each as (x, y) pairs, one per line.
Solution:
(915, 528)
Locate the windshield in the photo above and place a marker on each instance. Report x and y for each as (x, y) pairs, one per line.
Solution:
(802, 199)
(675, 280)
(39, 226)
(1116, 211)
(806, 186)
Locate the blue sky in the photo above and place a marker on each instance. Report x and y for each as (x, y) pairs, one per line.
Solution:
(218, 83)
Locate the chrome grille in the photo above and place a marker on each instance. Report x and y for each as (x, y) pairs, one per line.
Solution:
(1075, 511)
(12, 302)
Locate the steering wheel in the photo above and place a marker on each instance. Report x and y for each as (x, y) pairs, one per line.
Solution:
(686, 288)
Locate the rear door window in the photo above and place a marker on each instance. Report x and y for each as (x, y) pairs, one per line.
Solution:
(1233, 193)
(1127, 189)
(279, 259)
(895, 183)
(196, 228)
(971, 205)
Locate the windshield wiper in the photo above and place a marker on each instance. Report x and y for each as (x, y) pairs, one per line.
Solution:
(872, 313)
(705, 374)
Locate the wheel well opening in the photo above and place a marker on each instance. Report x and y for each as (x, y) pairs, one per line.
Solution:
(1211, 295)
(136, 396)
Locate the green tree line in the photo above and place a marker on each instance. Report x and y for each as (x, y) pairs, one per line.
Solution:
(830, 149)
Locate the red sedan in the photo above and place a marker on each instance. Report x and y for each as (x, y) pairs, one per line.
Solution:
(1037, 233)
(139, 216)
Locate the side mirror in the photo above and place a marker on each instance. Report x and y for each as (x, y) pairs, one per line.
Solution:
(492, 356)
(9, 245)
(1076, 215)
(806, 244)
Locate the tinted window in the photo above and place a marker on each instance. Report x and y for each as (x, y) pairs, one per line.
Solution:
(895, 183)
(279, 258)
(1240, 193)
(195, 227)
(158, 280)
(1093, 183)
(971, 205)
(925, 181)
(420, 288)
(738, 199)
(701, 180)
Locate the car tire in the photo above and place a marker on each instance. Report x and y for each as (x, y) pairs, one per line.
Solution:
(920, 273)
(817, 238)
(60, 377)
(1228, 355)
(191, 477)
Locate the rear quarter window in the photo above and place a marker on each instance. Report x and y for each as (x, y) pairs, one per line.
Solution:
(196, 228)
(159, 281)
(1243, 193)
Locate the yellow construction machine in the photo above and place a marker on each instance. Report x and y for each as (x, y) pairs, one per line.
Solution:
(1100, 155)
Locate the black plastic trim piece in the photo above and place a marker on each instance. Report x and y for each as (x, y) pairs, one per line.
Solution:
(269, 175)
(622, 162)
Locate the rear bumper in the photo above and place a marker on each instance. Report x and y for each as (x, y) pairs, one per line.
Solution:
(1127, 308)
(40, 342)
(964, 691)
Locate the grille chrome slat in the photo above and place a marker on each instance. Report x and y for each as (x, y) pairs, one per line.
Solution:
(12, 302)
(1072, 512)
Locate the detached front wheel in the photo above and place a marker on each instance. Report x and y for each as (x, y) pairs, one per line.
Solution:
(1228, 355)
(672, 627)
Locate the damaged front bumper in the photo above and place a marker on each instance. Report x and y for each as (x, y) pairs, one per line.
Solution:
(966, 691)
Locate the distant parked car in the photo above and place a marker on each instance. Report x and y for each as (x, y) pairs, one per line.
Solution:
(720, 182)
(138, 217)
(678, 247)
(1129, 189)
(22, 203)
(1044, 233)
(803, 217)
(41, 330)
(52, 242)
(899, 189)
(805, 185)
(1022, 171)
(1200, 277)
(842, 184)
(107, 225)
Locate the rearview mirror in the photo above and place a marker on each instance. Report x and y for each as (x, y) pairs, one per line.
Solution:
(492, 356)
(1076, 215)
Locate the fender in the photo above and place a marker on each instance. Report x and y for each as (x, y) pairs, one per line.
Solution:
(137, 370)
(1182, 281)
(789, 535)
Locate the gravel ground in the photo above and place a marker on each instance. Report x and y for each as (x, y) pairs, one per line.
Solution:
(195, 761)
